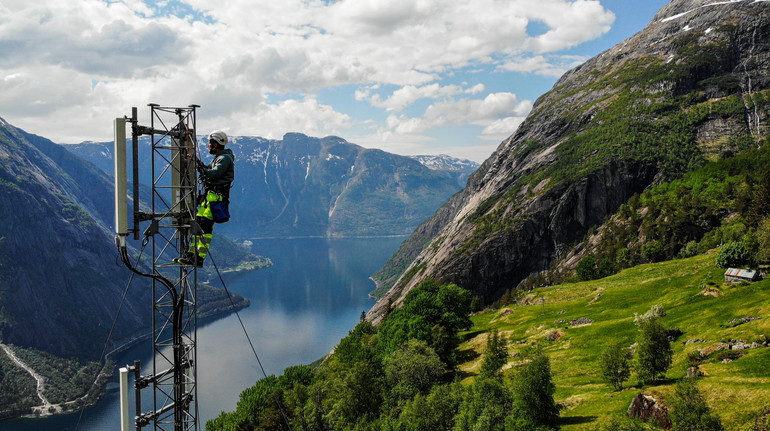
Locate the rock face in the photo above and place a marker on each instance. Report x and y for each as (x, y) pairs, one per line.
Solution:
(691, 86)
(305, 186)
(646, 409)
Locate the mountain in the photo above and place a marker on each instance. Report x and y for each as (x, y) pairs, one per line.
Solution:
(442, 162)
(60, 286)
(690, 87)
(305, 186)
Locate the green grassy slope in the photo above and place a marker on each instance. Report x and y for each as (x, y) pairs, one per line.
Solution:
(738, 391)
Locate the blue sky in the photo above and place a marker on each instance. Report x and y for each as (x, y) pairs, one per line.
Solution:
(406, 76)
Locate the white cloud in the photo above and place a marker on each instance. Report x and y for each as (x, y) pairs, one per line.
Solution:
(481, 112)
(552, 65)
(409, 94)
(273, 120)
(570, 23)
(88, 61)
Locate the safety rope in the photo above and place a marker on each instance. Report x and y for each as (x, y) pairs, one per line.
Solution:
(112, 329)
(232, 303)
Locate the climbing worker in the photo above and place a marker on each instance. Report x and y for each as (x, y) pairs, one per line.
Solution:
(213, 208)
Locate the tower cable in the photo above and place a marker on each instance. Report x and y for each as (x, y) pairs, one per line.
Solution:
(112, 329)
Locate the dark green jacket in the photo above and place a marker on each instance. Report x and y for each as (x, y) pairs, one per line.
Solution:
(219, 174)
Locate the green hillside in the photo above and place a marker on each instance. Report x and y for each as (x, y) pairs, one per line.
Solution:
(739, 391)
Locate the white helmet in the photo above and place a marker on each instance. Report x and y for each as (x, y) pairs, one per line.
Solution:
(219, 137)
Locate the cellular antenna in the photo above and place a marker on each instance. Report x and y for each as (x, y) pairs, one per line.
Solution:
(169, 217)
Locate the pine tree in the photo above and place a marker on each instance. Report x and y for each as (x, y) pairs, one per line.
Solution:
(495, 356)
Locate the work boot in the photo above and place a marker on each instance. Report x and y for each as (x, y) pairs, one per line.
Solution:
(190, 259)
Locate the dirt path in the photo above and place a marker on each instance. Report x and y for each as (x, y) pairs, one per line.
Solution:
(40, 379)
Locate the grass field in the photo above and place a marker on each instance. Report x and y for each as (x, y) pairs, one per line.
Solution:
(737, 391)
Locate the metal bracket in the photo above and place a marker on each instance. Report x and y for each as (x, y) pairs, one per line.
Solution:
(152, 229)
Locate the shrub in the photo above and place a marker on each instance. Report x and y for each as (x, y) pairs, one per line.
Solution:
(695, 358)
(728, 354)
(625, 424)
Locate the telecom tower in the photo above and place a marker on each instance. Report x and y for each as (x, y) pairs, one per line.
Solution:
(170, 220)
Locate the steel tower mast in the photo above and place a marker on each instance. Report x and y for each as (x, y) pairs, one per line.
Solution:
(170, 219)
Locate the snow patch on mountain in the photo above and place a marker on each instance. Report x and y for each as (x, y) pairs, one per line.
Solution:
(445, 163)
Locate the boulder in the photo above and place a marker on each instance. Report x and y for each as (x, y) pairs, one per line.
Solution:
(646, 408)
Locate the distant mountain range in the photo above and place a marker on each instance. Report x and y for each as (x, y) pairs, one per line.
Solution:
(442, 162)
(305, 186)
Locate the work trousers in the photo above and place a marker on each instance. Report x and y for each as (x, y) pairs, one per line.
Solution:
(200, 243)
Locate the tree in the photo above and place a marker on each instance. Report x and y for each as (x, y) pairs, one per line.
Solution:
(485, 407)
(623, 257)
(735, 254)
(689, 411)
(356, 395)
(615, 365)
(359, 345)
(533, 389)
(586, 269)
(763, 240)
(653, 251)
(653, 350)
(495, 356)
(412, 369)
(436, 411)
(429, 310)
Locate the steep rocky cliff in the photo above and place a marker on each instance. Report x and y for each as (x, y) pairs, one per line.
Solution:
(691, 86)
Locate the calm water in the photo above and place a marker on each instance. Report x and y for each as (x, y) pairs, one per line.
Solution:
(300, 309)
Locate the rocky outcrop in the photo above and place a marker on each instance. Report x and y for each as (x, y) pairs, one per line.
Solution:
(692, 85)
(647, 409)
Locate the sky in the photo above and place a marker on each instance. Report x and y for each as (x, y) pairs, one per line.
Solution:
(406, 76)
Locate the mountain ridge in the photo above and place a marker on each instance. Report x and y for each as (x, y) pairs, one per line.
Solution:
(659, 104)
(307, 186)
